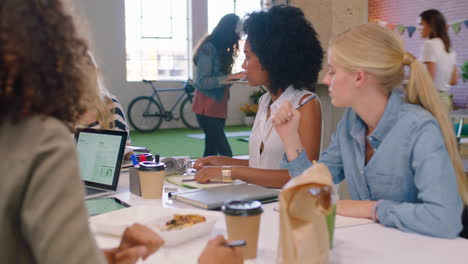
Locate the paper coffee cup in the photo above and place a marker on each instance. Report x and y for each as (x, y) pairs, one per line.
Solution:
(243, 223)
(151, 176)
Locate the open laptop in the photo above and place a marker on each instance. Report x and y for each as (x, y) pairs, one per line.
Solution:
(100, 154)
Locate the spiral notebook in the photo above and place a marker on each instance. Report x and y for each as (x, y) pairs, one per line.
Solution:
(214, 198)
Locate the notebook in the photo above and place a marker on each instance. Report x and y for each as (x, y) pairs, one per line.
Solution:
(100, 154)
(213, 198)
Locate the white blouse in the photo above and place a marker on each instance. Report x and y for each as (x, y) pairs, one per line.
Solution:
(433, 50)
(263, 131)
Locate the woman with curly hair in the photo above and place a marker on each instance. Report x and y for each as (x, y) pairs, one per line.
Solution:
(46, 79)
(284, 55)
(437, 54)
(213, 60)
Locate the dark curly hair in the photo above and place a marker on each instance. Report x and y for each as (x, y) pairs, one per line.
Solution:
(44, 66)
(225, 39)
(287, 47)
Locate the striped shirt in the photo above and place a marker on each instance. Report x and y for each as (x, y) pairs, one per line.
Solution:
(119, 122)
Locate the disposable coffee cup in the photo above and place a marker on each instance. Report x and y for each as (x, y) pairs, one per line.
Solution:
(151, 176)
(243, 223)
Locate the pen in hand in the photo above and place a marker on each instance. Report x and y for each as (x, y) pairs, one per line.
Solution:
(306, 101)
(236, 243)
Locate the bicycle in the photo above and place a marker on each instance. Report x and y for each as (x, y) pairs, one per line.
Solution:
(146, 113)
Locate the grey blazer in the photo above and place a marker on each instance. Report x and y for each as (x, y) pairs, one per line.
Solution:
(42, 214)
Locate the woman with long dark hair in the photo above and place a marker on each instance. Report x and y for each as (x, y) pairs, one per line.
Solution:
(213, 60)
(437, 54)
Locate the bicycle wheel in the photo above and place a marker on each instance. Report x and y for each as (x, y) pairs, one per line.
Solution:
(188, 117)
(144, 114)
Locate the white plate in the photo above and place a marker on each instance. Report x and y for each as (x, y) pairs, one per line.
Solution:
(114, 223)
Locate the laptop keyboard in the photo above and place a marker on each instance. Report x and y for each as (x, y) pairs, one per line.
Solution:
(90, 191)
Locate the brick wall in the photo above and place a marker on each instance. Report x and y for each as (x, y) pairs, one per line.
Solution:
(404, 12)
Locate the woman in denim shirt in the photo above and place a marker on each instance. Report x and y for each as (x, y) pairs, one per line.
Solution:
(213, 60)
(397, 151)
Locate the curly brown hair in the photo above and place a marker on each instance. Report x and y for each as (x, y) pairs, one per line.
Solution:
(44, 66)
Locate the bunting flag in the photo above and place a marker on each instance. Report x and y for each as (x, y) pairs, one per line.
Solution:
(410, 30)
(401, 29)
(456, 27)
(391, 26)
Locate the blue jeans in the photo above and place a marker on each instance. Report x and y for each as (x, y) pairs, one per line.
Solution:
(216, 142)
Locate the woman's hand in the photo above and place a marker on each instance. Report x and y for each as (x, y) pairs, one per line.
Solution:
(138, 241)
(209, 161)
(207, 173)
(234, 76)
(361, 209)
(216, 252)
(286, 122)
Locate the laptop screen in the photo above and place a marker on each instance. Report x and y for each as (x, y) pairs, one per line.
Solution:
(100, 155)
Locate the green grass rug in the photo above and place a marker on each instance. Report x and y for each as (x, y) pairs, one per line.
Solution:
(174, 142)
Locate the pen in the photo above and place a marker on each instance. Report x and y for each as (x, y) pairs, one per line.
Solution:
(306, 101)
(236, 243)
(134, 161)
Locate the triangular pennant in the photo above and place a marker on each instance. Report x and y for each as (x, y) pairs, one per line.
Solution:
(466, 23)
(401, 29)
(391, 26)
(410, 30)
(456, 27)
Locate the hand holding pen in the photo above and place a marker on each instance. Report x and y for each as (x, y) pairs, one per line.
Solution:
(286, 123)
(287, 113)
(219, 250)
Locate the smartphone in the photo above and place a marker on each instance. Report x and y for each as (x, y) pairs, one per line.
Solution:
(104, 205)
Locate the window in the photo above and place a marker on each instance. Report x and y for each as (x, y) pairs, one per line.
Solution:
(218, 8)
(157, 39)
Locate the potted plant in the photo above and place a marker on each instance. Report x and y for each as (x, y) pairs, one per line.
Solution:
(255, 96)
(464, 71)
(250, 110)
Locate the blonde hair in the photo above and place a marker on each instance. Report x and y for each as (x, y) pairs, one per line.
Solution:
(380, 52)
(100, 99)
(104, 105)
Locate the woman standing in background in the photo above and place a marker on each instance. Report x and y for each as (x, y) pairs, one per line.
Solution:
(438, 55)
(213, 60)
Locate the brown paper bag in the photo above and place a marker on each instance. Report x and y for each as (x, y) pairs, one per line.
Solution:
(303, 228)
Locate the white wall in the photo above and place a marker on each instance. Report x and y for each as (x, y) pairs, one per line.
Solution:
(105, 21)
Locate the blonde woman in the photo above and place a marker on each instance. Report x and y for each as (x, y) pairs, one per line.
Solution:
(104, 110)
(396, 150)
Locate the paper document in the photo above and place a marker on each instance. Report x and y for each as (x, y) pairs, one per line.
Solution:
(177, 180)
(344, 221)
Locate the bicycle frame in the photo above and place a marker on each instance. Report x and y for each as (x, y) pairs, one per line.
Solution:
(158, 99)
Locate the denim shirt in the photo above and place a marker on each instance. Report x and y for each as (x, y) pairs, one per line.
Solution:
(208, 75)
(410, 171)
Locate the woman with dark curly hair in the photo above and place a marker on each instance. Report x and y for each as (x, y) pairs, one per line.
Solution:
(284, 55)
(45, 82)
(213, 60)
